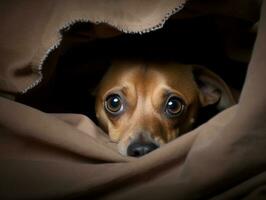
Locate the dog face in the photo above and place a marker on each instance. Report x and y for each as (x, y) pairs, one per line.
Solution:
(143, 105)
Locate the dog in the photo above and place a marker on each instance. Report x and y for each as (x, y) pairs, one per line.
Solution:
(145, 104)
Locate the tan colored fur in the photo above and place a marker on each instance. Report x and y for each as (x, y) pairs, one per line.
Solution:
(143, 85)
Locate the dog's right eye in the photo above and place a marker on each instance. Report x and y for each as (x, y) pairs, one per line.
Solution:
(113, 104)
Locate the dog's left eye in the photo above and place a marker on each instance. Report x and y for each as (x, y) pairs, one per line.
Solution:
(174, 106)
(113, 104)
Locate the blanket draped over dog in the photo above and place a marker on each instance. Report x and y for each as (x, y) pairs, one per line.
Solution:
(50, 156)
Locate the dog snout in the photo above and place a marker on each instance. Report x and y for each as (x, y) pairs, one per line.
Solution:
(137, 149)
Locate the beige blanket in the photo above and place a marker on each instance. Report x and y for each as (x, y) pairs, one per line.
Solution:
(53, 156)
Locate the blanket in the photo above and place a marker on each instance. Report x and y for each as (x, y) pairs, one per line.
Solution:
(67, 156)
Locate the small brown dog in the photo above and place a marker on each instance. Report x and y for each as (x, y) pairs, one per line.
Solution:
(143, 105)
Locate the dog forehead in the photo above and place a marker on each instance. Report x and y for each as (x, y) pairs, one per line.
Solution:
(178, 77)
(125, 69)
(149, 76)
(134, 78)
(173, 72)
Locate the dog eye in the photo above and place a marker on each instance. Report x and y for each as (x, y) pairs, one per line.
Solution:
(113, 104)
(174, 106)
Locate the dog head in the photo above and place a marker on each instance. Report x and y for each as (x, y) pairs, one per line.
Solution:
(143, 105)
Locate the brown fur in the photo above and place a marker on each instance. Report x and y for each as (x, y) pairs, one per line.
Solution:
(145, 86)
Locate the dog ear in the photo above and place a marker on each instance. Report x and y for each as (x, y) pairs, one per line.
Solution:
(212, 89)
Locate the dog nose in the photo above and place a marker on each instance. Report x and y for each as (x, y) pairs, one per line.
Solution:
(138, 149)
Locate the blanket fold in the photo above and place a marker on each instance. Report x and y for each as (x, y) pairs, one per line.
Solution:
(67, 156)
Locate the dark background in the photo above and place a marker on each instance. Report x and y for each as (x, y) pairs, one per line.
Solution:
(80, 61)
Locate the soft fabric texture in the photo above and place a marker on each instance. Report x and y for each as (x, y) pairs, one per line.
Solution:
(50, 156)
